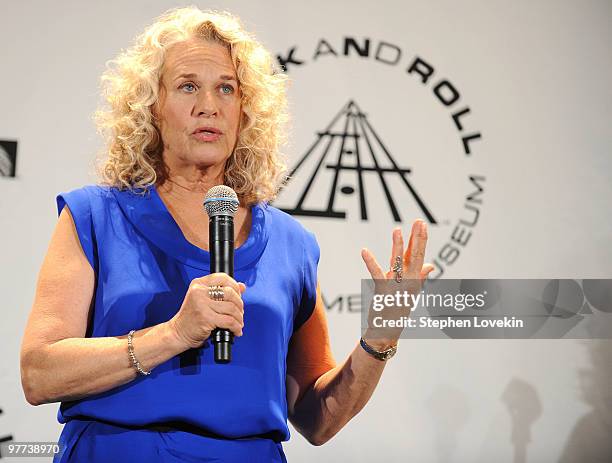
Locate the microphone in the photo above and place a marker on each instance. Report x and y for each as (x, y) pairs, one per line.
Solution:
(221, 203)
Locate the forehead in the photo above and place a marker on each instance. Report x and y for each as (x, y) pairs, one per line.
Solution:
(197, 56)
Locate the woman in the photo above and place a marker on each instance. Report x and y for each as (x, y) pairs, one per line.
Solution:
(125, 302)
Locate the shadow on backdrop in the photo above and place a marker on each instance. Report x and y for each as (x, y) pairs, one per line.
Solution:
(523, 404)
(591, 439)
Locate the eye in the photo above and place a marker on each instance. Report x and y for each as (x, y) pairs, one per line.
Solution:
(189, 87)
(227, 89)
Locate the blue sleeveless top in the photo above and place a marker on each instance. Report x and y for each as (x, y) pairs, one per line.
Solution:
(143, 266)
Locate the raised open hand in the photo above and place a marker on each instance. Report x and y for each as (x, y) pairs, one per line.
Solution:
(406, 266)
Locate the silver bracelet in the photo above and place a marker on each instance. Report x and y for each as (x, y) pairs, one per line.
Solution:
(135, 362)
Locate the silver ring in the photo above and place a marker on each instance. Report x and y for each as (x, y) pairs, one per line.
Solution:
(397, 268)
(216, 293)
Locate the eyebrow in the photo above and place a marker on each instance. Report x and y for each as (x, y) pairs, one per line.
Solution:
(194, 76)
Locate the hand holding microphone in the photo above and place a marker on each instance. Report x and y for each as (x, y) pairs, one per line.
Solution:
(212, 306)
(200, 314)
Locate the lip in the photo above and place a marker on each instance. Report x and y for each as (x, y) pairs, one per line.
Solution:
(209, 129)
(207, 133)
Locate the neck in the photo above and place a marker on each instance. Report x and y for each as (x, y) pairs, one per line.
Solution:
(183, 198)
(190, 181)
(190, 177)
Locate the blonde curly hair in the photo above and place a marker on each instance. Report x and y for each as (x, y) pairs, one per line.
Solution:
(131, 85)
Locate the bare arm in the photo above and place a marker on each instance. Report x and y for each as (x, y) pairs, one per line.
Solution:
(57, 362)
(324, 405)
(320, 405)
(337, 396)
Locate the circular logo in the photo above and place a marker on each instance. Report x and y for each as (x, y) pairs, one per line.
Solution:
(382, 137)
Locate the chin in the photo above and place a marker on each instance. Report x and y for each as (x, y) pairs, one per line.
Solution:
(206, 158)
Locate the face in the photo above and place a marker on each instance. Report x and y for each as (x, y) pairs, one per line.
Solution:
(199, 104)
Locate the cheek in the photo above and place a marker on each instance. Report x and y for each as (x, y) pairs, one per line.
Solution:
(173, 117)
(172, 128)
(176, 114)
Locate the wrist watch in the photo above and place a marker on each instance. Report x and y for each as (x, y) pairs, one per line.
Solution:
(380, 355)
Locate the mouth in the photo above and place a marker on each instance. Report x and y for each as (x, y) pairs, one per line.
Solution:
(207, 133)
(207, 130)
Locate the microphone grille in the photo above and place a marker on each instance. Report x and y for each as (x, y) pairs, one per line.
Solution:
(221, 200)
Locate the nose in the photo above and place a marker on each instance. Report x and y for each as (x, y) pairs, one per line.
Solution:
(206, 105)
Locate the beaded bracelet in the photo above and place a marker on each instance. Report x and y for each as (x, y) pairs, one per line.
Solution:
(133, 357)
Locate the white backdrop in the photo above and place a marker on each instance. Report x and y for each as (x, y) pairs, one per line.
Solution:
(536, 79)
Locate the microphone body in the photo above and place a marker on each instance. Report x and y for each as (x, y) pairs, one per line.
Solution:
(221, 239)
(221, 203)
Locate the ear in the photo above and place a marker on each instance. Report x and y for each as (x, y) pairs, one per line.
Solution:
(244, 119)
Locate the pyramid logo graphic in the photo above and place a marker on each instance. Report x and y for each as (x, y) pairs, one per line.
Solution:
(349, 144)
